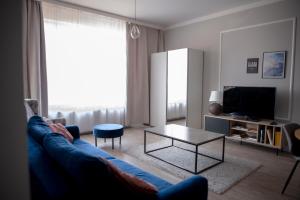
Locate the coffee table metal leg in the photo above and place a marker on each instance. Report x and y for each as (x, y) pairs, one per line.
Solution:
(112, 143)
(172, 142)
(104, 139)
(223, 151)
(95, 141)
(196, 159)
(144, 141)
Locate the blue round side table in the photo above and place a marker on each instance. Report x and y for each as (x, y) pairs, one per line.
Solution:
(108, 131)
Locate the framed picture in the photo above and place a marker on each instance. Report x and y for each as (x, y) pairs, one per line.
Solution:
(273, 64)
(252, 65)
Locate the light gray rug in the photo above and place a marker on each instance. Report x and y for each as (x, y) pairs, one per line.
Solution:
(220, 178)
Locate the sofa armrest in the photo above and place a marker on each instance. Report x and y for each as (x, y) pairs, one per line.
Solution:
(33, 104)
(195, 187)
(74, 130)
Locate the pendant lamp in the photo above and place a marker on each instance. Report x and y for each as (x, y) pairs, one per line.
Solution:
(135, 30)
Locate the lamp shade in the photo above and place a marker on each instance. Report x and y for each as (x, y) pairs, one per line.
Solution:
(215, 96)
(135, 31)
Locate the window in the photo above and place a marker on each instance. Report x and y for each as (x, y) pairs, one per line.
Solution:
(86, 62)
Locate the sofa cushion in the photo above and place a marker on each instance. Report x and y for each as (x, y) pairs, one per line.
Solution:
(139, 188)
(74, 130)
(159, 183)
(38, 128)
(91, 176)
(194, 187)
(48, 180)
(91, 150)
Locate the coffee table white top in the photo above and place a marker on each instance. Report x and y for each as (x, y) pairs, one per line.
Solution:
(185, 134)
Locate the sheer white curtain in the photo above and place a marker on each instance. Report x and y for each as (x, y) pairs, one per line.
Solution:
(86, 66)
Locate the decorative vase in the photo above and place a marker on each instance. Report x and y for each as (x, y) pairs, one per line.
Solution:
(215, 109)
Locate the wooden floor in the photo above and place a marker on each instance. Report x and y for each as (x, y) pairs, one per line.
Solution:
(265, 183)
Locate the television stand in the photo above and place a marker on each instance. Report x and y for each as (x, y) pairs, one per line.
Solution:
(263, 132)
(236, 115)
(241, 117)
(252, 119)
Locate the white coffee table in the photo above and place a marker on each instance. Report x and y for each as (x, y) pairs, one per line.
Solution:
(187, 135)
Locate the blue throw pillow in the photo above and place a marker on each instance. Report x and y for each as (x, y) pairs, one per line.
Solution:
(38, 128)
(88, 172)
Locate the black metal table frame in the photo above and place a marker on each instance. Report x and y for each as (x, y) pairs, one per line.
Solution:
(196, 152)
(112, 141)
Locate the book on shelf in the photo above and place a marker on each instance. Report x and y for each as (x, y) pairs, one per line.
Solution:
(239, 128)
(251, 139)
(270, 138)
(235, 136)
(251, 135)
(243, 135)
(253, 130)
(277, 138)
(261, 136)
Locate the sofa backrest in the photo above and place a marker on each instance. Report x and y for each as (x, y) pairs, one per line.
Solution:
(48, 180)
(37, 128)
(88, 172)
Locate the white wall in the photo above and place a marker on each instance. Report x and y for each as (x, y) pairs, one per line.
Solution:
(250, 42)
(14, 178)
(206, 36)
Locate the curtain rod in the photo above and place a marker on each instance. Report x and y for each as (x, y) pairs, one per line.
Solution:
(100, 12)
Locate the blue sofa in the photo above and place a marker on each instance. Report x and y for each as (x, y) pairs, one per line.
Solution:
(63, 170)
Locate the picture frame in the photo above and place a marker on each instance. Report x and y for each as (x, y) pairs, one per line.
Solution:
(273, 66)
(252, 65)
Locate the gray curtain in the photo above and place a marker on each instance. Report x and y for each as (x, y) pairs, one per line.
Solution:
(138, 66)
(34, 56)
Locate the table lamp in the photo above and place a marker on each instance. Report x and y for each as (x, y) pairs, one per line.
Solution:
(215, 100)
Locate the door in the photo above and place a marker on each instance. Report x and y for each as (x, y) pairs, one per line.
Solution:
(158, 89)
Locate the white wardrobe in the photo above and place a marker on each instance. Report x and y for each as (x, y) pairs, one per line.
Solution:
(176, 81)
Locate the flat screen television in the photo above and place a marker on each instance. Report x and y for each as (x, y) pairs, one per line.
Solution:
(252, 102)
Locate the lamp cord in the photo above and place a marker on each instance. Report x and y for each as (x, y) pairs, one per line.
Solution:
(135, 10)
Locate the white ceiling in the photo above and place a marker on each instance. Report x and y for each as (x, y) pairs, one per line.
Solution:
(165, 13)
